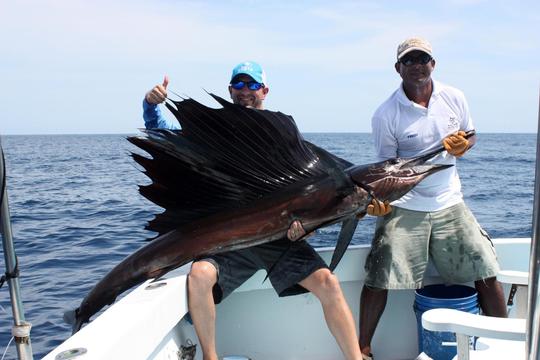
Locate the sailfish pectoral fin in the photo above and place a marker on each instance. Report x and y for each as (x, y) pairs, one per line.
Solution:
(345, 236)
(269, 271)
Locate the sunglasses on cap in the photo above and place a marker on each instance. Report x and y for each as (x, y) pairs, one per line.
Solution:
(252, 85)
(409, 60)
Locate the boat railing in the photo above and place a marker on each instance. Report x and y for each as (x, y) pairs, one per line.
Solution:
(533, 319)
(21, 328)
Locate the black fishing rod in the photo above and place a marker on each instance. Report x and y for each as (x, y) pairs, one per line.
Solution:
(21, 328)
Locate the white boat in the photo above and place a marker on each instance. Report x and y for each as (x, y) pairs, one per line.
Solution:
(152, 321)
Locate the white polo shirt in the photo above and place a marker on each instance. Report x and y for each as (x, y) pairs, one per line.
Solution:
(402, 128)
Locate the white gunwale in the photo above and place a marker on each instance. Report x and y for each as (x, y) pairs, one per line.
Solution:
(253, 321)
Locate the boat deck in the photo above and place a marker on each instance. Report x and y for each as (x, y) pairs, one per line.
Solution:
(151, 323)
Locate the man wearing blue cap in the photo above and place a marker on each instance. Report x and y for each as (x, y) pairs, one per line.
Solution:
(296, 267)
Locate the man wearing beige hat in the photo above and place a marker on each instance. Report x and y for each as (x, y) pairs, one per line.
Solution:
(431, 221)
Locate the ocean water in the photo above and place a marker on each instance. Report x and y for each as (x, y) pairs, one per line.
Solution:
(76, 212)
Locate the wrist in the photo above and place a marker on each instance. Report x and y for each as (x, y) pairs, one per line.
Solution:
(147, 104)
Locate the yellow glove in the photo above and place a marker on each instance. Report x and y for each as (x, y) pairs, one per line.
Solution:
(377, 208)
(456, 144)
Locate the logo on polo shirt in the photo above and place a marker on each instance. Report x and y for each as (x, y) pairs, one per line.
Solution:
(452, 122)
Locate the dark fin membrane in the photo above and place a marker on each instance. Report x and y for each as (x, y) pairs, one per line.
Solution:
(345, 236)
(271, 269)
(331, 159)
(335, 167)
(221, 159)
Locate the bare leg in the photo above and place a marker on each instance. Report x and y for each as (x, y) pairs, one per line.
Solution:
(372, 304)
(491, 297)
(325, 286)
(202, 277)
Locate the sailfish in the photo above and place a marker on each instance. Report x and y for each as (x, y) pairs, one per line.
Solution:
(235, 177)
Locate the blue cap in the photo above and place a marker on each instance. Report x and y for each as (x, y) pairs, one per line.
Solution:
(252, 69)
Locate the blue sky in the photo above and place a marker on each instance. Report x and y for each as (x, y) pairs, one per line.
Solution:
(83, 66)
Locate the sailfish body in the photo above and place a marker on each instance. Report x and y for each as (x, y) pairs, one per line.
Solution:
(236, 177)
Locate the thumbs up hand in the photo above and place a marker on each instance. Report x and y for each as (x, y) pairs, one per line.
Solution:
(158, 94)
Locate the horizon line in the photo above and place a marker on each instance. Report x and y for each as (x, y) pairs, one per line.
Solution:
(302, 132)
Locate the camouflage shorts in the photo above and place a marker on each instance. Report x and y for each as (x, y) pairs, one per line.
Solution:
(405, 240)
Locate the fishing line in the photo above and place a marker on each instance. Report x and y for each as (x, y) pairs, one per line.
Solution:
(169, 101)
(182, 97)
(7, 347)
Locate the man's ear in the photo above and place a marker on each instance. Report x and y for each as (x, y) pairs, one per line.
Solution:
(230, 90)
(396, 66)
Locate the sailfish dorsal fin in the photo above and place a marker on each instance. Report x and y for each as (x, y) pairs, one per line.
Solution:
(221, 159)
